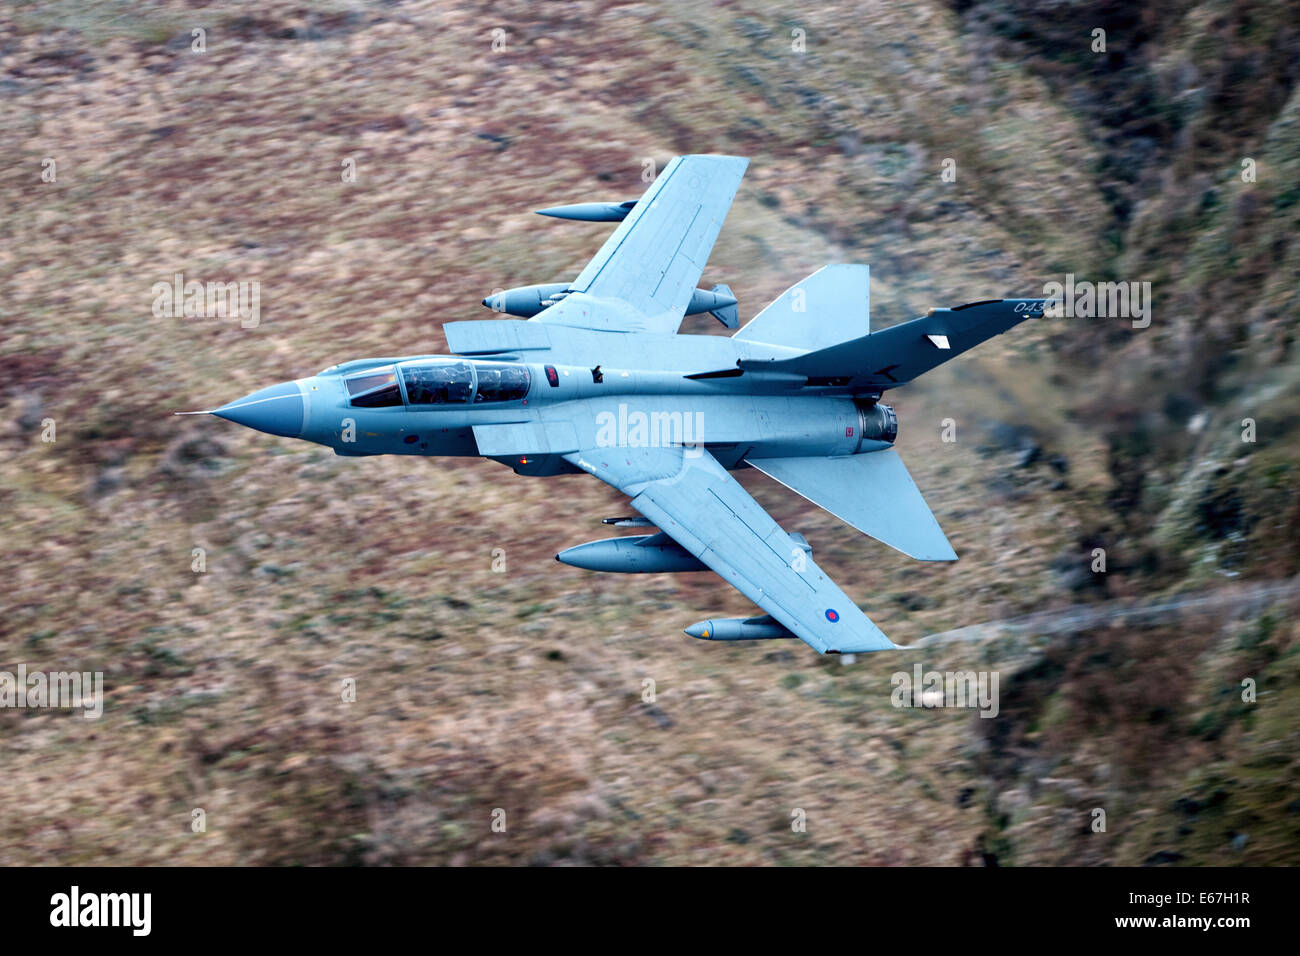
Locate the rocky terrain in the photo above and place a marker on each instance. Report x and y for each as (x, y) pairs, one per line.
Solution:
(1173, 157)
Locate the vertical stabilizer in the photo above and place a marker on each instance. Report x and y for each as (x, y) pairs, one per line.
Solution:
(831, 306)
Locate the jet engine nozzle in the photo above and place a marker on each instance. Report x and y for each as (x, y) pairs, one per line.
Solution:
(879, 422)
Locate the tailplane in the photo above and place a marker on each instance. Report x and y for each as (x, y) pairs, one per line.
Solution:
(872, 492)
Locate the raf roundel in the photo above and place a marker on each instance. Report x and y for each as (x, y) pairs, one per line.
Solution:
(832, 615)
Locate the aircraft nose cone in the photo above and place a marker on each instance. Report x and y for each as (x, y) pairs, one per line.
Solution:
(278, 410)
(699, 630)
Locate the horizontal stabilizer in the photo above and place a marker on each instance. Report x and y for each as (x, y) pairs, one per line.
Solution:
(872, 492)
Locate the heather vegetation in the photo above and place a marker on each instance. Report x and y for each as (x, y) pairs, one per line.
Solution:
(487, 675)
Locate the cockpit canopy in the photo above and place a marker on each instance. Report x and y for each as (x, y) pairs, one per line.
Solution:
(442, 382)
(374, 388)
(500, 383)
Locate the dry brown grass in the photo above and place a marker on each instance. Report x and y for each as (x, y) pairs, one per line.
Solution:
(522, 690)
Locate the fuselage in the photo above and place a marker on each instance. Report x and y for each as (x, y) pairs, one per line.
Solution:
(431, 404)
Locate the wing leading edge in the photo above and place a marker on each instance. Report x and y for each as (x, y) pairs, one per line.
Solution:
(693, 499)
(643, 277)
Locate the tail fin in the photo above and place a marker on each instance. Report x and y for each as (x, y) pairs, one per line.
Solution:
(830, 306)
(898, 354)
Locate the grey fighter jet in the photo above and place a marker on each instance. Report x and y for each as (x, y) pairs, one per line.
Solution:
(592, 376)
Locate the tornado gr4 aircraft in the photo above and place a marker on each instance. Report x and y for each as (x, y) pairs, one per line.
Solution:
(593, 377)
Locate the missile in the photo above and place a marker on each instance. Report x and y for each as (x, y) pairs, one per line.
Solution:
(591, 211)
(634, 521)
(764, 628)
(635, 554)
(526, 301)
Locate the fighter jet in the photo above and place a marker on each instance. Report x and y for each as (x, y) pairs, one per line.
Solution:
(592, 376)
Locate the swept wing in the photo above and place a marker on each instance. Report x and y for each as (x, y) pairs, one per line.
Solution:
(644, 275)
(693, 499)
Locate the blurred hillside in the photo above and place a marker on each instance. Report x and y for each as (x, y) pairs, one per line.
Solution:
(523, 690)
